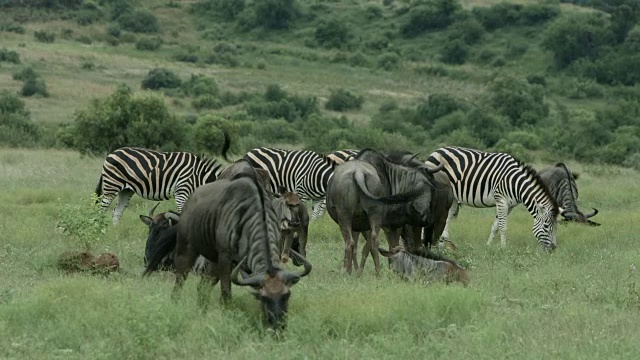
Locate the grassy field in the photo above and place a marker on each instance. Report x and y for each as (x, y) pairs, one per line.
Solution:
(580, 302)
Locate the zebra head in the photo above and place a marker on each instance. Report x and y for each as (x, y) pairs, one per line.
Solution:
(544, 225)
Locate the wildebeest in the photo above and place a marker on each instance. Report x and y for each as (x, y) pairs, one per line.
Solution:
(293, 219)
(231, 221)
(370, 192)
(413, 267)
(562, 184)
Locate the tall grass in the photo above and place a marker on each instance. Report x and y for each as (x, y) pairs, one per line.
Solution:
(581, 301)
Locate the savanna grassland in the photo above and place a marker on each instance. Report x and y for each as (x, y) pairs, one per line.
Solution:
(271, 87)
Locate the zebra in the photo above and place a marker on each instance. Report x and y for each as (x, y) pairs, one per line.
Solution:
(483, 179)
(342, 156)
(304, 172)
(153, 175)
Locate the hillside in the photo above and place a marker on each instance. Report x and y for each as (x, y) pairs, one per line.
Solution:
(390, 57)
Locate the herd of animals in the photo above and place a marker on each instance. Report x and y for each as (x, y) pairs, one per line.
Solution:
(241, 223)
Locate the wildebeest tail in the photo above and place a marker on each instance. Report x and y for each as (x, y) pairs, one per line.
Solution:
(98, 190)
(226, 146)
(166, 243)
(359, 178)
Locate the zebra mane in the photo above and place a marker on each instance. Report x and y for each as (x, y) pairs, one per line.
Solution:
(536, 177)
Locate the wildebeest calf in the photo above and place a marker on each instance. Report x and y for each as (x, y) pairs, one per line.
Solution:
(293, 218)
(414, 267)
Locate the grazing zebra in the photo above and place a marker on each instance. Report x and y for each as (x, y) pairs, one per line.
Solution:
(304, 172)
(152, 175)
(482, 179)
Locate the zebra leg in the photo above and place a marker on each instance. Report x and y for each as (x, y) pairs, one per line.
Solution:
(123, 201)
(500, 222)
(453, 212)
(317, 208)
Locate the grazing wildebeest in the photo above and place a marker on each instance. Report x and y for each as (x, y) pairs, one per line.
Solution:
(370, 192)
(293, 219)
(482, 179)
(232, 221)
(562, 184)
(161, 222)
(153, 175)
(413, 267)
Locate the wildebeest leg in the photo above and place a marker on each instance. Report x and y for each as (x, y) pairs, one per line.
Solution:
(302, 239)
(123, 200)
(366, 249)
(206, 284)
(224, 271)
(185, 258)
(453, 212)
(349, 245)
(374, 222)
(287, 235)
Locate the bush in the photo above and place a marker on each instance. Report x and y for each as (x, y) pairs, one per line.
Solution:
(577, 36)
(85, 223)
(160, 78)
(435, 107)
(139, 21)
(44, 36)
(518, 100)
(341, 100)
(149, 44)
(228, 9)
(332, 34)
(454, 52)
(84, 39)
(508, 14)
(16, 127)
(276, 14)
(124, 120)
(209, 134)
(276, 131)
(469, 30)
(9, 56)
(198, 85)
(33, 86)
(389, 61)
(358, 59)
(25, 74)
(14, 27)
(429, 15)
(207, 102)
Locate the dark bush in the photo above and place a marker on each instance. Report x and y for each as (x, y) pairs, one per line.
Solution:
(228, 9)
(86, 17)
(518, 100)
(429, 15)
(537, 80)
(436, 106)
(207, 102)
(358, 59)
(123, 120)
(33, 86)
(9, 56)
(577, 36)
(139, 21)
(332, 33)
(149, 43)
(454, 52)
(114, 30)
(44, 36)
(342, 100)
(508, 14)
(275, 93)
(189, 57)
(389, 61)
(84, 39)
(160, 78)
(372, 12)
(16, 127)
(198, 85)
(25, 74)
(469, 30)
(14, 27)
(276, 14)
(276, 131)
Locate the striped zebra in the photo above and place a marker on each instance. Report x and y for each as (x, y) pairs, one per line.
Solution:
(152, 175)
(304, 172)
(482, 179)
(342, 156)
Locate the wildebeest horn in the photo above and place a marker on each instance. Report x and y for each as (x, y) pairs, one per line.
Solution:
(436, 169)
(257, 280)
(569, 215)
(413, 157)
(595, 211)
(153, 209)
(299, 258)
(172, 216)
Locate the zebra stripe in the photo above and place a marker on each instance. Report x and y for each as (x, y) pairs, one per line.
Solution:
(482, 179)
(342, 156)
(152, 175)
(304, 172)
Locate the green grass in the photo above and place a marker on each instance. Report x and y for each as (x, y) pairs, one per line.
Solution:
(580, 302)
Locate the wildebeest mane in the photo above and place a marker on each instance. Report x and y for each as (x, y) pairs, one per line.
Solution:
(532, 173)
(271, 270)
(163, 246)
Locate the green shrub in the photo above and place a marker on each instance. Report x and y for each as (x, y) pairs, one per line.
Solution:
(160, 78)
(85, 224)
(372, 12)
(342, 100)
(139, 21)
(114, 30)
(124, 120)
(358, 59)
(44, 36)
(518, 100)
(16, 127)
(34, 86)
(429, 15)
(276, 131)
(276, 14)
(469, 30)
(86, 17)
(209, 133)
(435, 107)
(149, 44)
(389, 61)
(25, 74)
(198, 85)
(454, 52)
(332, 33)
(515, 50)
(14, 27)
(9, 56)
(84, 39)
(207, 102)
(508, 14)
(227, 9)
(516, 150)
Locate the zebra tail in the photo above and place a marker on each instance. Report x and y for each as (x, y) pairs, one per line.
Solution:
(98, 191)
(359, 178)
(166, 243)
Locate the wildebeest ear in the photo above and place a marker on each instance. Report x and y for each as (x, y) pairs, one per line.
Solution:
(385, 253)
(146, 219)
(282, 189)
